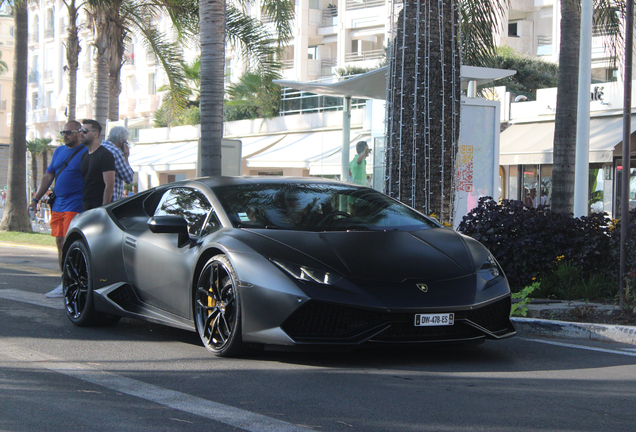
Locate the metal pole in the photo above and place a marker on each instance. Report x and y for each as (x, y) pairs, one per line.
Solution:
(582, 161)
(346, 138)
(627, 112)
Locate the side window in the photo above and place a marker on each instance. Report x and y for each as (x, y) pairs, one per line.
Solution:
(212, 224)
(188, 203)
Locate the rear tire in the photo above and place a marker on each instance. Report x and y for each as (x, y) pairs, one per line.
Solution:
(217, 309)
(77, 283)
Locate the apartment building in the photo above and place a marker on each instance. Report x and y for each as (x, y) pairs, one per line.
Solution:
(47, 93)
(533, 28)
(329, 34)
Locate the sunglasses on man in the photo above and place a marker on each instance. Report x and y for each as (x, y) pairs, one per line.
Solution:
(68, 132)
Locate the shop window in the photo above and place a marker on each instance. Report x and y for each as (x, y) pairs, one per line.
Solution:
(513, 183)
(546, 185)
(530, 185)
(595, 185)
(618, 186)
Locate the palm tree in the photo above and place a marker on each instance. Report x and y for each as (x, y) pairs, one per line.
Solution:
(212, 24)
(97, 12)
(607, 18)
(566, 113)
(424, 97)
(33, 146)
(15, 216)
(217, 19)
(253, 96)
(72, 54)
(112, 22)
(134, 16)
(38, 146)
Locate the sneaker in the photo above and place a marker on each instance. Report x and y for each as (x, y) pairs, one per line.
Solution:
(57, 292)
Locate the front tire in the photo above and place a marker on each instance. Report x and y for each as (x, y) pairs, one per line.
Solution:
(77, 283)
(217, 309)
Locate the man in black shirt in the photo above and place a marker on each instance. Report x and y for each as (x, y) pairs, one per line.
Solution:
(98, 167)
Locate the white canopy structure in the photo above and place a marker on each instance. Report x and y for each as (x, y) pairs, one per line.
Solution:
(372, 85)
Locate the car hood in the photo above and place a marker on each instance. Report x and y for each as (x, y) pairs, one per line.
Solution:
(434, 254)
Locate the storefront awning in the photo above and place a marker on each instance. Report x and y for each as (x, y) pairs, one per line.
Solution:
(178, 155)
(372, 85)
(532, 143)
(301, 150)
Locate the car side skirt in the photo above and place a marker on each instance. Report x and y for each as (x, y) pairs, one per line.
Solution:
(120, 299)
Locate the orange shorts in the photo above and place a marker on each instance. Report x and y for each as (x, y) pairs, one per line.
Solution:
(60, 222)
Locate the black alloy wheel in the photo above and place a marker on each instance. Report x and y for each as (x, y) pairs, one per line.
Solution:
(217, 309)
(77, 281)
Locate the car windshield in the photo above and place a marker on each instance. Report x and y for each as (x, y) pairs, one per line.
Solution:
(316, 207)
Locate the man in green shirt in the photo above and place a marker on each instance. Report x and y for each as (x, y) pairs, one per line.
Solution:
(358, 166)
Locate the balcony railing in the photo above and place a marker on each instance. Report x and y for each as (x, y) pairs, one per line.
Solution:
(301, 102)
(287, 64)
(34, 38)
(43, 115)
(49, 33)
(330, 17)
(148, 104)
(363, 4)
(544, 40)
(48, 75)
(34, 76)
(364, 55)
(150, 57)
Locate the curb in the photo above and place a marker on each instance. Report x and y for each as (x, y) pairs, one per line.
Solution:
(28, 246)
(569, 330)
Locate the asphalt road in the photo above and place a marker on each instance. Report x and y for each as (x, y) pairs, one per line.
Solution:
(143, 377)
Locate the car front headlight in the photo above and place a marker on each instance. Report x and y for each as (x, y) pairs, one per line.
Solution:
(489, 270)
(307, 274)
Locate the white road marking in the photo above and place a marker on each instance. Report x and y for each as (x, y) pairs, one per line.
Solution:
(32, 298)
(245, 420)
(627, 352)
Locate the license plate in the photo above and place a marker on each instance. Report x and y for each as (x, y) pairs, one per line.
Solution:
(422, 320)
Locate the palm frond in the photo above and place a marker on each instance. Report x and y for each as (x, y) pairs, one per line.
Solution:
(481, 21)
(253, 40)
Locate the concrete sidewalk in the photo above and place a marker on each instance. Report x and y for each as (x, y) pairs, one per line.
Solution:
(533, 325)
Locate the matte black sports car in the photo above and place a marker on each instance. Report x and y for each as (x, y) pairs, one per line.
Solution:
(284, 262)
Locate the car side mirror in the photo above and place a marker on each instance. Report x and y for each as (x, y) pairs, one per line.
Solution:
(170, 225)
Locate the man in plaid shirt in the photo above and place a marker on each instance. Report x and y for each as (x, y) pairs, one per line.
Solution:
(117, 144)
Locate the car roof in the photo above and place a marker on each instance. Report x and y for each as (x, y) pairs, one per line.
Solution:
(216, 181)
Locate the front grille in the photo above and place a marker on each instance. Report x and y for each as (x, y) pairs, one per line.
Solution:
(317, 319)
(320, 321)
(493, 317)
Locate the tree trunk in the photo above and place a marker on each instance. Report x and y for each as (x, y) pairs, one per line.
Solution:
(102, 61)
(212, 34)
(34, 170)
(423, 119)
(45, 163)
(15, 216)
(566, 111)
(116, 38)
(72, 55)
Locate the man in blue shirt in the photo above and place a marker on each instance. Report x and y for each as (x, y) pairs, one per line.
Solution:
(69, 188)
